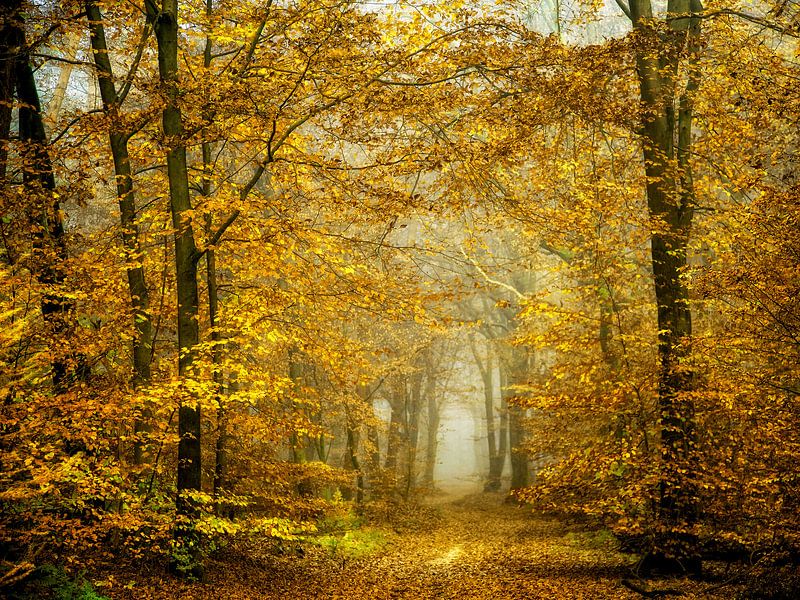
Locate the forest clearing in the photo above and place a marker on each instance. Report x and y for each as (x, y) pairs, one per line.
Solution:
(399, 298)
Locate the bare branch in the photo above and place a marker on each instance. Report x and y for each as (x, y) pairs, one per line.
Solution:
(791, 31)
(502, 284)
(126, 87)
(625, 8)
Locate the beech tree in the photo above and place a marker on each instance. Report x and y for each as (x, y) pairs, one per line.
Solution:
(118, 143)
(666, 116)
(278, 215)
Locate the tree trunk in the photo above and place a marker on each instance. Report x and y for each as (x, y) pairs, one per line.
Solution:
(221, 459)
(496, 458)
(221, 444)
(374, 456)
(45, 214)
(412, 433)
(670, 200)
(137, 285)
(300, 450)
(189, 467)
(432, 447)
(519, 460)
(502, 437)
(70, 49)
(10, 32)
(395, 433)
(352, 457)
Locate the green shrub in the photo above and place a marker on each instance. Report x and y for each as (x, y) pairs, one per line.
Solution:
(353, 544)
(62, 586)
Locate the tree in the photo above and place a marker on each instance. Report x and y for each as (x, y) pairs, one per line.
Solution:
(118, 142)
(666, 117)
(166, 25)
(496, 436)
(43, 213)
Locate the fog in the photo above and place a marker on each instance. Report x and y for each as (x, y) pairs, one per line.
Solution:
(462, 455)
(461, 462)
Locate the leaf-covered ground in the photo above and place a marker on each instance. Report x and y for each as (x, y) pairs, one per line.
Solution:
(477, 547)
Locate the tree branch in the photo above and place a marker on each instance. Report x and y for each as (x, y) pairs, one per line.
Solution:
(502, 284)
(791, 31)
(625, 8)
(214, 240)
(126, 87)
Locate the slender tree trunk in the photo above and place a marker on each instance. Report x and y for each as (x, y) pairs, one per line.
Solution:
(137, 284)
(374, 457)
(296, 375)
(220, 446)
(495, 464)
(509, 373)
(502, 437)
(299, 448)
(221, 451)
(221, 455)
(56, 102)
(432, 447)
(413, 407)
(165, 22)
(496, 458)
(352, 457)
(606, 307)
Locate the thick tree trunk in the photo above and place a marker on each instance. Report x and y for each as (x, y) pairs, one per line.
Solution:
(671, 206)
(10, 32)
(45, 214)
(137, 284)
(394, 438)
(519, 460)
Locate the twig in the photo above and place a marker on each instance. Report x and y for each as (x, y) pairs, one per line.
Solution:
(651, 593)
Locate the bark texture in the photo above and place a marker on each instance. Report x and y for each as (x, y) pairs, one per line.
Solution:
(165, 25)
(666, 123)
(137, 284)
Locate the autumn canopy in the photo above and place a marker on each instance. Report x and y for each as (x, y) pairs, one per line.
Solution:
(268, 267)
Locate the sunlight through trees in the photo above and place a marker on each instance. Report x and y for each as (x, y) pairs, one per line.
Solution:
(284, 277)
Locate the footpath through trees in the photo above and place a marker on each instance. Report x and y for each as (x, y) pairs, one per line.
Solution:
(470, 548)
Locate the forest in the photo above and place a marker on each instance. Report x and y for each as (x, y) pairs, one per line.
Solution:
(399, 299)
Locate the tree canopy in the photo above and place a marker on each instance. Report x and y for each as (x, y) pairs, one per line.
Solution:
(251, 252)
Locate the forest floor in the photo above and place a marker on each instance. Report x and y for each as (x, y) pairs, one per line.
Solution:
(475, 547)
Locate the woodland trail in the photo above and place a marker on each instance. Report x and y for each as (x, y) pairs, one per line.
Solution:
(478, 548)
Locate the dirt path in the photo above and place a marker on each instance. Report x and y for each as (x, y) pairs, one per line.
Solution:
(479, 549)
